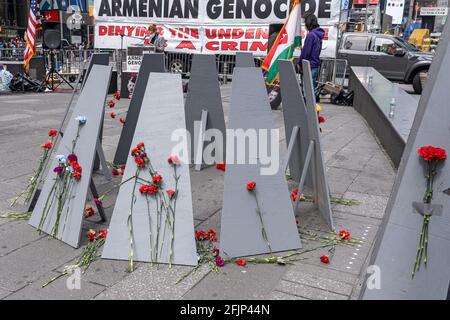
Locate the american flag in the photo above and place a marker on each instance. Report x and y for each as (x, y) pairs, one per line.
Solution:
(34, 24)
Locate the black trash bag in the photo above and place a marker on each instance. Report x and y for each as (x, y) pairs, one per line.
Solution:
(23, 82)
(344, 98)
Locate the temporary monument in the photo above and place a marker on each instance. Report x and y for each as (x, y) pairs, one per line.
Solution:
(257, 214)
(153, 217)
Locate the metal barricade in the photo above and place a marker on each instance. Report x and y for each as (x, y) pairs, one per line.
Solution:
(333, 71)
(182, 63)
(12, 54)
(68, 62)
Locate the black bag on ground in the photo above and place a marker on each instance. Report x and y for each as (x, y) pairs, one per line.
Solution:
(22, 82)
(344, 98)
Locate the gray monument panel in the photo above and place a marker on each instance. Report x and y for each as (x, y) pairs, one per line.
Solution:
(244, 60)
(91, 105)
(317, 166)
(294, 113)
(241, 230)
(161, 115)
(396, 247)
(150, 63)
(96, 58)
(204, 94)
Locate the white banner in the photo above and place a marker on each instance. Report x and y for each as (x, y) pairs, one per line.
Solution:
(192, 11)
(213, 26)
(224, 39)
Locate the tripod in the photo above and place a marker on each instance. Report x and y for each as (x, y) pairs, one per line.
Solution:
(51, 74)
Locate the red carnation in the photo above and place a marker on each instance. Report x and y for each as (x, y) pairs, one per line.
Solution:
(325, 259)
(48, 145)
(111, 103)
(322, 119)
(115, 172)
(102, 233)
(116, 95)
(211, 235)
(143, 188)
(171, 193)
(344, 235)
(139, 162)
(156, 179)
(201, 235)
(220, 166)
(76, 166)
(241, 262)
(173, 160)
(135, 152)
(251, 185)
(152, 189)
(112, 115)
(88, 212)
(76, 175)
(430, 153)
(148, 189)
(91, 235)
(140, 145)
(52, 133)
(122, 120)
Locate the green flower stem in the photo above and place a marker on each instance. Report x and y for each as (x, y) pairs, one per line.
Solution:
(32, 181)
(263, 229)
(336, 200)
(158, 226)
(130, 224)
(150, 228)
(16, 215)
(62, 197)
(116, 186)
(47, 206)
(425, 244)
(88, 255)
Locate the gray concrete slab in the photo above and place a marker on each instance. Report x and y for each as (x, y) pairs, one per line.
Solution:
(15, 235)
(150, 282)
(278, 295)
(57, 290)
(39, 258)
(307, 292)
(234, 282)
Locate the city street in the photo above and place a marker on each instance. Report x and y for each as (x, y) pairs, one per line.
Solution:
(357, 168)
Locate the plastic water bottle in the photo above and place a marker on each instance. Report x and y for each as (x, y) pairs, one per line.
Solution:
(392, 108)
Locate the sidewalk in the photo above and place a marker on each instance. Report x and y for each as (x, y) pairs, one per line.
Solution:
(357, 168)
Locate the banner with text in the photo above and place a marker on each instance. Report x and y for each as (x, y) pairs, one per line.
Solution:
(212, 26)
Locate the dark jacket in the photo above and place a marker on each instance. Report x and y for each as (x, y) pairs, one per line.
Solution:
(312, 47)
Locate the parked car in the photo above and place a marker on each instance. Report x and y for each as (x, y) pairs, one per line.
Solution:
(393, 57)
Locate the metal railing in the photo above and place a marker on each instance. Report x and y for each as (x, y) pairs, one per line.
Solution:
(333, 71)
(69, 62)
(11, 54)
